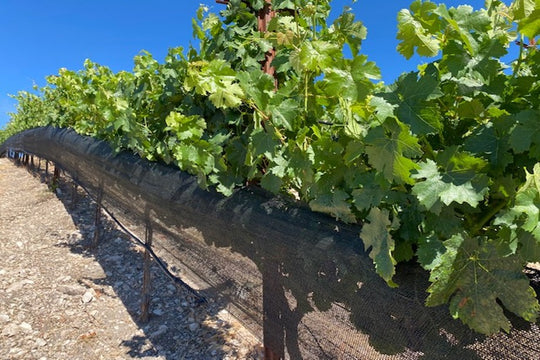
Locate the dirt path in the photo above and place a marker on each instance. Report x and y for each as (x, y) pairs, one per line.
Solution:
(61, 300)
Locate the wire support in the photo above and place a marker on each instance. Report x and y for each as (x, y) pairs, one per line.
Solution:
(200, 299)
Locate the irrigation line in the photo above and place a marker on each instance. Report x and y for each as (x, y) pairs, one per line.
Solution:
(175, 279)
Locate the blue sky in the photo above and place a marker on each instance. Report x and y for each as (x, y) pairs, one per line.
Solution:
(38, 37)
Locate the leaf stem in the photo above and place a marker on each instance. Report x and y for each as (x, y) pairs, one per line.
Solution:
(487, 217)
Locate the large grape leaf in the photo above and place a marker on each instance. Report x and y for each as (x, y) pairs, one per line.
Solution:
(315, 56)
(476, 280)
(530, 26)
(416, 29)
(390, 148)
(352, 31)
(376, 235)
(414, 108)
(216, 79)
(450, 186)
(257, 86)
(527, 14)
(526, 135)
(489, 143)
(284, 112)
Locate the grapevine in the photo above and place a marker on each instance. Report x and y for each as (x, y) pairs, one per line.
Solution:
(442, 166)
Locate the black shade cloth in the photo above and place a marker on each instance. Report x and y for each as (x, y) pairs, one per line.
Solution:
(298, 279)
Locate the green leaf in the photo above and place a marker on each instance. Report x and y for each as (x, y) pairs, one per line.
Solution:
(315, 56)
(527, 15)
(352, 32)
(376, 235)
(285, 113)
(340, 83)
(447, 187)
(279, 166)
(521, 9)
(459, 20)
(417, 30)
(283, 4)
(530, 26)
(262, 143)
(414, 107)
(353, 151)
(216, 79)
(474, 278)
(258, 86)
(370, 194)
(487, 141)
(227, 96)
(383, 109)
(389, 149)
(430, 251)
(526, 135)
(335, 204)
(525, 211)
(185, 127)
(271, 183)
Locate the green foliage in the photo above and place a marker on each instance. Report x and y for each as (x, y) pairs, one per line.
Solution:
(443, 165)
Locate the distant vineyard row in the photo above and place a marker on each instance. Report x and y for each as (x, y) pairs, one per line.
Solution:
(442, 166)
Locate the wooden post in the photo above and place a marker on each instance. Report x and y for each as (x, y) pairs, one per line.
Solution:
(265, 15)
(273, 329)
(97, 219)
(147, 275)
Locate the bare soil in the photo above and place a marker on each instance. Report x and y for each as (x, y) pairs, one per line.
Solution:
(61, 298)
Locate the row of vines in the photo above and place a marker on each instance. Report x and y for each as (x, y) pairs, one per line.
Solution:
(442, 167)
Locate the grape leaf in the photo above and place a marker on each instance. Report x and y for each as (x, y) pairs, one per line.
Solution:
(521, 9)
(526, 134)
(257, 86)
(271, 182)
(417, 30)
(430, 251)
(335, 204)
(527, 15)
(368, 196)
(474, 278)
(413, 105)
(530, 26)
(315, 56)
(447, 189)
(525, 211)
(262, 143)
(376, 235)
(340, 83)
(185, 127)
(352, 31)
(216, 79)
(284, 113)
(389, 148)
(486, 141)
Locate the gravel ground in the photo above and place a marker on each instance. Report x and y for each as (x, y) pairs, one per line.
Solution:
(62, 299)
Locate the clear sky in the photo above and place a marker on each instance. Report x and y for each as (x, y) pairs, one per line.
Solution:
(38, 37)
